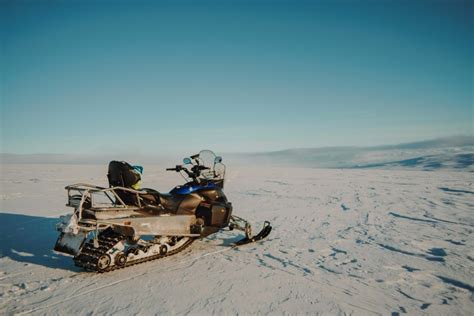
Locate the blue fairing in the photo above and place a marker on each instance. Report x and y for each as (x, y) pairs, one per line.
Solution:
(191, 187)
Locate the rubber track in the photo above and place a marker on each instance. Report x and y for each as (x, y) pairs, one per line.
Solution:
(89, 255)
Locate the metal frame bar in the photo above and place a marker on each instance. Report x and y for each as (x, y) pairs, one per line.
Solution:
(87, 190)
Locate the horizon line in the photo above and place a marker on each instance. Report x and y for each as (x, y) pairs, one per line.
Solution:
(421, 141)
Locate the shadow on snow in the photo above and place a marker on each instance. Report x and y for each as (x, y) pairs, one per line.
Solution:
(30, 239)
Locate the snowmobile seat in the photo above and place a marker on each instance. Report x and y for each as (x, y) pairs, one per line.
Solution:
(122, 174)
(170, 202)
(150, 197)
(153, 198)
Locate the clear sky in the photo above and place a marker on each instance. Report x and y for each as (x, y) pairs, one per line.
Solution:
(159, 76)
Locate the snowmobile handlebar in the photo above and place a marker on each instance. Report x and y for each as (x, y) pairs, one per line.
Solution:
(195, 171)
(179, 168)
(201, 167)
(194, 168)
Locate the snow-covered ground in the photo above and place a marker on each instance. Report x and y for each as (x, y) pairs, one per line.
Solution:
(359, 241)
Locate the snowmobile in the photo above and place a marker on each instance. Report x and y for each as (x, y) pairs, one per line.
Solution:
(121, 225)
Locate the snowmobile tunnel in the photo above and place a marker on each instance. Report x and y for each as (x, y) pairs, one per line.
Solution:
(179, 225)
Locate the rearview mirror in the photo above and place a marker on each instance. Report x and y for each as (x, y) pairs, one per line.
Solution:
(218, 159)
(187, 161)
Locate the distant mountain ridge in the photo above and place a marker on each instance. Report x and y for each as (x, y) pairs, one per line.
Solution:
(460, 161)
(443, 153)
(452, 141)
(456, 153)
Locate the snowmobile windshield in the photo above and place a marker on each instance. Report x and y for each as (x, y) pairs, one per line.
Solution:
(208, 159)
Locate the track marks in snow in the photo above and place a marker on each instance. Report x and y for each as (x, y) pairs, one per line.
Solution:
(83, 291)
(344, 207)
(456, 283)
(455, 190)
(409, 253)
(288, 263)
(412, 218)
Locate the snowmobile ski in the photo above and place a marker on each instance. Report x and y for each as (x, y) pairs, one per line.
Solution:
(267, 228)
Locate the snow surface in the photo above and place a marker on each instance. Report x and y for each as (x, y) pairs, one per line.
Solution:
(353, 241)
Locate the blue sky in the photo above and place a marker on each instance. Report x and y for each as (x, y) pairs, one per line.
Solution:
(158, 76)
